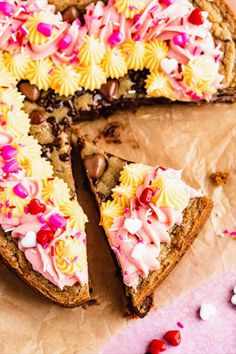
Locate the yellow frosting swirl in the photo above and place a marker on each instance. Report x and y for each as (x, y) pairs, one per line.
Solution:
(92, 77)
(7, 196)
(16, 122)
(92, 51)
(129, 8)
(17, 63)
(199, 74)
(171, 193)
(109, 210)
(134, 54)
(34, 36)
(39, 73)
(65, 80)
(1, 60)
(70, 255)
(7, 79)
(28, 149)
(155, 52)
(55, 190)
(10, 99)
(40, 168)
(114, 64)
(157, 85)
(122, 194)
(77, 218)
(133, 175)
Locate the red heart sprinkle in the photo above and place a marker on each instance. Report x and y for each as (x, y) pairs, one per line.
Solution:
(173, 337)
(196, 17)
(35, 207)
(44, 236)
(156, 346)
(146, 196)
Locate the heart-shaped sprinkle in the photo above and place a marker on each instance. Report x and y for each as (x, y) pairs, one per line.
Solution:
(169, 65)
(234, 290)
(196, 17)
(173, 337)
(65, 41)
(45, 29)
(20, 191)
(233, 300)
(35, 207)
(207, 311)
(116, 38)
(29, 240)
(146, 196)
(156, 346)
(132, 225)
(6, 8)
(138, 251)
(44, 236)
(181, 39)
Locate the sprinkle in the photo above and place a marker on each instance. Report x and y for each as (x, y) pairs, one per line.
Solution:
(233, 233)
(45, 245)
(50, 71)
(126, 273)
(12, 207)
(226, 231)
(75, 259)
(41, 218)
(102, 26)
(121, 237)
(220, 233)
(50, 179)
(153, 9)
(3, 123)
(78, 234)
(180, 324)
(52, 251)
(74, 59)
(218, 214)
(85, 241)
(7, 203)
(66, 260)
(132, 8)
(131, 92)
(9, 215)
(138, 38)
(233, 300)
(51, 201)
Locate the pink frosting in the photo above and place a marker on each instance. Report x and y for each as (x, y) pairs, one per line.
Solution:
(157, 21)
(41, 258)
(138, 253)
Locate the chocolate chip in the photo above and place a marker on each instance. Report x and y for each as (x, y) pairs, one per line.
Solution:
(57, 142)
(109, 89)
(95, 165)
(64, 157)
(70, 14)
(37, 117)
(30, 91)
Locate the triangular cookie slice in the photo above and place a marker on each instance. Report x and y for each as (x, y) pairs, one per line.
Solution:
(150, 217)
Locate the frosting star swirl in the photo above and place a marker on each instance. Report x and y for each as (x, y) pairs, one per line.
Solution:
(133, 175)
(17, 63)
(7, 79)
(155, 52)
(40, 168)
(114, 63)
(92, 77)
(10, 99)
(91, 52)
(12, 205)
(109, 210)
(39, 73)
(70, 254)
(122, 194)
(16, 122)
(77, 218)
(56, 191)
(157, 85)
(65, 80)
(28, 149)
(134, 54)
(129, 8)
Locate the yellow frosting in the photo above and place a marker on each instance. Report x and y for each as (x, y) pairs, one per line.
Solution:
(10, 99)
(17, 63)
(114, 64)
(157, 85)
(109, 210)
(65, 80)
(40, 168)
(122, 194)
(70, 255)
(28, 149)
(55, 190)
(199, 74)
(39, 73)
(77, 218)
(1, 60)
(92, 77)
(7, 79)
(7, 194)
(36, 37)
(17, 123)
(129, 8)
(134, 54)
(155, 52)
(172, 193)
(92, 51)
(133, 175)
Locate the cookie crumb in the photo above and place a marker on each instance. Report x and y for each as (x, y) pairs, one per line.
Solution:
(219, 178)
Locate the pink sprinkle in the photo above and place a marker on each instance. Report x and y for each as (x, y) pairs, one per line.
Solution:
(75, 259)
(121, 237)
(153, 9)
(74, 59)
(52, 251)
(132, 8)
(11, 166)
(66, 260)
(138, 38)
(57, 221)
(8, 152)
(9, 215)
(50, 71)
(20, 191)
(45, 29)
(45, 227)
(181, 39)
(1, 205)
(23, 30)
(233, 233)
(138, 26)
(6, 8)
(4, 122)
(65, 41)
(45, 245)
(180, 324)
(78, 234)
(85, 241)
(26, 210)
(217, 58)
(41, 218)
(226, 231)
(7, 203)
(126, 273)
(195, 51)
(116, 38)
(51, 201)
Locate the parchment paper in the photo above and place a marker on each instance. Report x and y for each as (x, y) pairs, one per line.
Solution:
(200, 140)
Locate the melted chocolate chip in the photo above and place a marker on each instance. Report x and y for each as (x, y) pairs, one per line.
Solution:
(30, 91)
(37, 117)
(64, 157)
(95, 165)
(109, 89)
(70, 14)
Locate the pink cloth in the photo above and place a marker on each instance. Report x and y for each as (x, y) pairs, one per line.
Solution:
(216, 336)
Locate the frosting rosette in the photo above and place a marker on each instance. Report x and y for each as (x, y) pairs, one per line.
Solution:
(155, 52)
(17, 63)
(70, 255)
(65, 80)
(7, 79)
(39, 73)
(122, 194)
(16, 122)
(11, 204)
(10, 99)
(129, 8)
(55, 191)
(76, 217)
(91, 52)
(28, 149)
(134, 54)
(158, 85)
(92, 77)
(40, 168)
(114, 63)
(133, 174)
(42, 27)
(109, 210)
